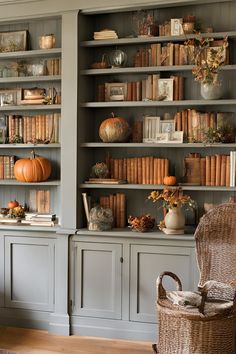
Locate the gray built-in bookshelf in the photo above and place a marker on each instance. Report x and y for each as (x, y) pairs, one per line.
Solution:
(32, 126)
(92, 111)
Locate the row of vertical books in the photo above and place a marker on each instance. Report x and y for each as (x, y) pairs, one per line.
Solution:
(211, 170)
(7, 167)
(117, 203)
(139, 170)
(39, 200)
(150, 88)
(53, 66)
(194, 123)
(163, 54)
(32, 129)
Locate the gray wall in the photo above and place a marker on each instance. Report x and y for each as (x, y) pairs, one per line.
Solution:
(24, 8)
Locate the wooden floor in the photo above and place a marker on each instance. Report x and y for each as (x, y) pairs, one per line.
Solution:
(28, 341)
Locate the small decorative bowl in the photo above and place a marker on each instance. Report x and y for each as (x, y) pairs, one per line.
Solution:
(99, 65)
(144, 223)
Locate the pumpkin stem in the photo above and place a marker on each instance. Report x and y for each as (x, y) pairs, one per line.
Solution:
(113, 115)
(32, 155)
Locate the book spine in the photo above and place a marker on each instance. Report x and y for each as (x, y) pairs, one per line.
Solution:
(208, 170)
(223, 171)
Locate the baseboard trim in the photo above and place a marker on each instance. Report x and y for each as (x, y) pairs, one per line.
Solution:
(114, 329)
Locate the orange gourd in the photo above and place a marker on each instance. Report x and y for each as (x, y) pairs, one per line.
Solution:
(169, 180)
(32, 169)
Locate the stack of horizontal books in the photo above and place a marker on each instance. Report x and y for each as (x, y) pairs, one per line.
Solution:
(39, 219)
(105, 34)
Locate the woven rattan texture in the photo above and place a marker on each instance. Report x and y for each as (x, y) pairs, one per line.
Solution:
(182, 331)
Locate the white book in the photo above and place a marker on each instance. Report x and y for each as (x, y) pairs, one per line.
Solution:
(232, 168)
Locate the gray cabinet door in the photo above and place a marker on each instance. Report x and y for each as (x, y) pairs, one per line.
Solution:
(97, 279)
(29, 273)
(147, 262)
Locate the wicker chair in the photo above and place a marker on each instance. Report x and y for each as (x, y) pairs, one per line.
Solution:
(209, 326)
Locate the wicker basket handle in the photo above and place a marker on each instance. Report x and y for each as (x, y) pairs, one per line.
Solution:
(161, 292)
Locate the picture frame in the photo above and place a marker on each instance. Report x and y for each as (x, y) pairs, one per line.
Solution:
(166, 89)
(176, 28)
(167, 126)
(161, 138)
(115, 91)
(13, 41)
(176, 137)
(172, 138)
(10, 97)
(33, 95)
(151, 126)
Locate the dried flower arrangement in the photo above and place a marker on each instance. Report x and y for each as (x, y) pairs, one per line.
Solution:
(142, 223)
(207, 60)
(172, 198)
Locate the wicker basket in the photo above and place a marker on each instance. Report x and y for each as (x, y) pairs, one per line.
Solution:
(183, 330)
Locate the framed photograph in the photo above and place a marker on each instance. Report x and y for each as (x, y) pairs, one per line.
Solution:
(176, 137)
(13, 41)
(167, 126)
(10, 97)
(151, 126)
(162, 138)
(33, 96)
(116, 91)
(166, 89)
(176, 28)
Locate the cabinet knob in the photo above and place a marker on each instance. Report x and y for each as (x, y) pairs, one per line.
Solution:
(121, 259)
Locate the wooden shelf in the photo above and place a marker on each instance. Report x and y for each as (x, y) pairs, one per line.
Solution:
(146, 69)
(31, 107)
(184, 103)
(30, 146)
(13, 182)
(20, 79)
(126, 232)
(140, 40)
(53, 52)
(157, 187)
(154, 145)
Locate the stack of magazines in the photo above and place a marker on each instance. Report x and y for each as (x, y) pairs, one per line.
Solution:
(39, 219)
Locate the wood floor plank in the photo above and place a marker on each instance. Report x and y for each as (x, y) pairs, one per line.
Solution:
(28, 341)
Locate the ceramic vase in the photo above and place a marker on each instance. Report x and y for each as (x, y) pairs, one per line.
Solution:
(212, 91)
(175, 219)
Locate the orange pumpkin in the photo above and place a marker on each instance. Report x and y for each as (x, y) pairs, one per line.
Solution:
(169, 180)
(114, 130)
(33, 169)
(12, 204)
